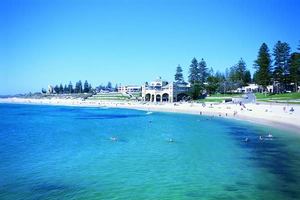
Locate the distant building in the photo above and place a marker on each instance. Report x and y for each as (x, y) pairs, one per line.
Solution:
(254, 88)
(270, 88)
(249, 88)
(129, 89)
(164, 91)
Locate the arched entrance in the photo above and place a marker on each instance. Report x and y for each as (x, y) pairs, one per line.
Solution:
(147, 97)
(158, 98)
(152, 97)
(165, 97)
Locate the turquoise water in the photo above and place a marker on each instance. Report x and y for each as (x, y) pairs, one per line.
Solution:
(52, 152)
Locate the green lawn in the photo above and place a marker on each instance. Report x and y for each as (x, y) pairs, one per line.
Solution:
(112, 96)
(225, 95)
(219, 98)
(284, 96)
(290, 98)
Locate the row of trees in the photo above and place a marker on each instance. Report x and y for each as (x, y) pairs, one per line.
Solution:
(69, 89)
(283, 72)
(107, 87)
(80, 88)
(202, 79)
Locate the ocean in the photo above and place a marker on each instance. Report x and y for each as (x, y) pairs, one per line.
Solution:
(58, 152)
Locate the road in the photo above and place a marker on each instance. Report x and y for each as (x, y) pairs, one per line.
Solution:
(247, 98)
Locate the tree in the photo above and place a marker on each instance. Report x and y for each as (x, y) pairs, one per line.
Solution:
(86, 87)
(116, 88)
(90, 88)
(203, 74)
(212, 83)
(295, 70)
(44, 91)
(247, 77)
(56, 89)
(109, 85)
(70, 88)
(263, 67)
(194, 72)
(178, 75)
(241, 71)
(237, 74)
(66, 89)
(78, 87)
(195, 91)
(281, 54)
(61, 89)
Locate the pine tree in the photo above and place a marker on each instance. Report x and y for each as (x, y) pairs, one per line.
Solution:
(281, 54)
(212, 82)
(56, 89)
(66, 89)
(90, 88)
(70, 88)
(194, 72)
(263, 67)
(247, 77)
(78, 87)
(109, 85)
(179, 76)
(295, 69)
(202, 71)
(86, 87)
(241, 71)
(61, 89)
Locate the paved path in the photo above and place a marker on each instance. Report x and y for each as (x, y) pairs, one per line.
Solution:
(247, 98)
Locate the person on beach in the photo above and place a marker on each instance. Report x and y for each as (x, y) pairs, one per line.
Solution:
(234, 113)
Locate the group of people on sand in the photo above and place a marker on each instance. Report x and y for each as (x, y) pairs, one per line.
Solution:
(291, 110)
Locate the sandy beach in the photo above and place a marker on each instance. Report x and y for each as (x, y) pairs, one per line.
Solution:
(274, 115)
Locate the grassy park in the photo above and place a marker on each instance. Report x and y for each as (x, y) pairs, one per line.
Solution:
(291, 98)
(219, 98)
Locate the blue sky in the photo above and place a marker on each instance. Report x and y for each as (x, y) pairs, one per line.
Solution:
(50, 42)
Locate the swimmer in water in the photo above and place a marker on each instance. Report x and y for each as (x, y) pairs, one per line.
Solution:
(246, 139)
(171, 140)
(270, 135)
(113, 139)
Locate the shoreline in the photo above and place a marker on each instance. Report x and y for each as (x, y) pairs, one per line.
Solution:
(263, 114)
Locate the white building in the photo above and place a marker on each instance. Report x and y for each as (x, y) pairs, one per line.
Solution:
(164, 91)
(249, 88)
(254, 88)
(129, 89)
